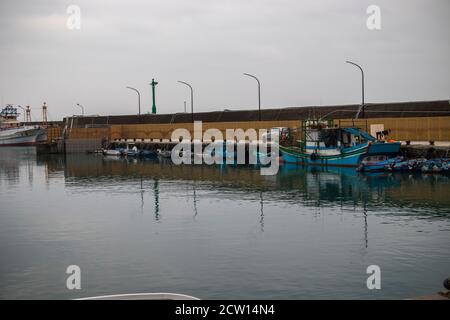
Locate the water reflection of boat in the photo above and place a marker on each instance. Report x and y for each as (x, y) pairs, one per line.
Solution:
(294, 183)
(287, 167)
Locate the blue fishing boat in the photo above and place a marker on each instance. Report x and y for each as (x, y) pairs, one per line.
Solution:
(132, 151)
(334, 146)
(411, 165)
(378, 163)
(400, 164)
(149, 154)
(435, 166)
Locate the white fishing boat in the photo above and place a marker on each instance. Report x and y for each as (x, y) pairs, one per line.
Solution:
(164, 153)
(13, 133)
(112, 152)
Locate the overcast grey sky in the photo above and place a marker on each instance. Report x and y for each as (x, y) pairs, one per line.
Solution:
(297, 48)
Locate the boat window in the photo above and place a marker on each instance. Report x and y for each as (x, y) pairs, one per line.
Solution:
(345, 139)
(329, 137)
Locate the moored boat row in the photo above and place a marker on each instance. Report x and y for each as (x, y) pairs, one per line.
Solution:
(400, 164)
(131, 151)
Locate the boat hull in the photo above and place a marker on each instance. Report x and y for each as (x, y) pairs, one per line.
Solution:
(112, 152)
(25, 136)
(373, 166)
(384, 148)
(349, 159)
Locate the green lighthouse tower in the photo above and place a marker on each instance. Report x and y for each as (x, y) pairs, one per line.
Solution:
(153, 84)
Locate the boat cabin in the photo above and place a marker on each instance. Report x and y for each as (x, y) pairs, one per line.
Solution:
(326, 140)
(8, 117)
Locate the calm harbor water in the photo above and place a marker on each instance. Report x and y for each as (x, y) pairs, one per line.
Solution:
(216, 232)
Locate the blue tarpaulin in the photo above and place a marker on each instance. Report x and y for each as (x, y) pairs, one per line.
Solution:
(358, 132)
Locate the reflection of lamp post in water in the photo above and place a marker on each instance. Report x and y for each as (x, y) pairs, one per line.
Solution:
(142, 196)
(366, 240)
(195, 202)
(156, 194)
(261, 220)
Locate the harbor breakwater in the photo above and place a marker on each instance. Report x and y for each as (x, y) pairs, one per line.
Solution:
(426, 123)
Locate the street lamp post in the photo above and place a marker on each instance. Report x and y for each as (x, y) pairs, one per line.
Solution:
(362, 86)
(259, 93)
(192, 99)
(82, 108)
(139, 97)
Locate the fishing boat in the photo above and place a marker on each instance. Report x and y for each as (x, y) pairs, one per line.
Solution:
(112, 152)
(132, 151)
(406, 165)
(326, 145)
(164, 153)
(149, 154)
(436, 166)
(399, 164)
(13, 133)
(378, 163)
